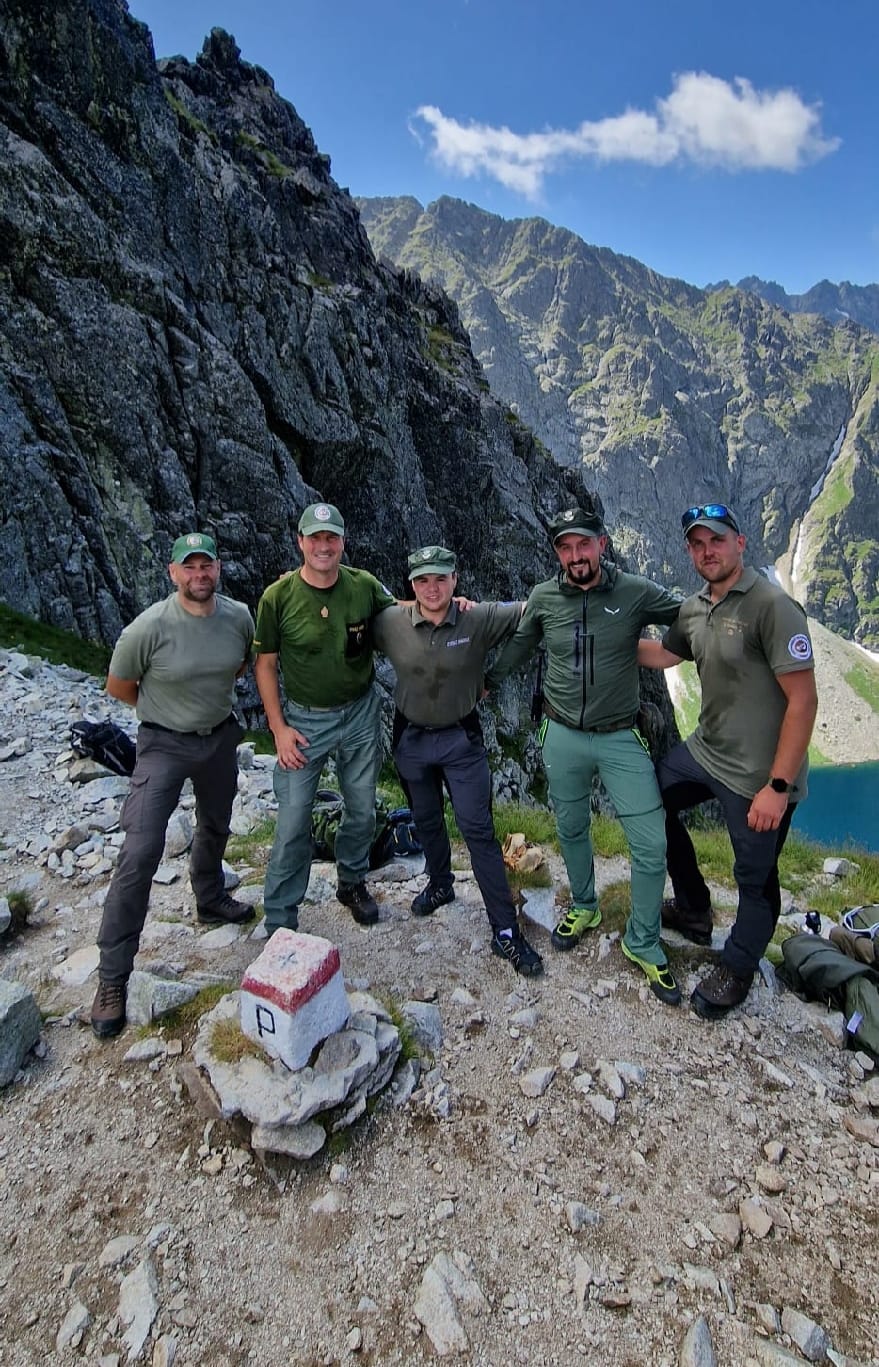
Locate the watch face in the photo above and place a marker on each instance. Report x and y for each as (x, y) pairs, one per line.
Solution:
(779, 785)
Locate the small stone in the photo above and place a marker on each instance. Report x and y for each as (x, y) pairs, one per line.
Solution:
(697, 1349)
(727, 1227)
(354, 1340)
(862, 1127)
(117, 1250)
(754, 1218)
(73, 1326)
(602, 1106)
(535, 1083)
(770, 1179)
(809, 1337)
(767, 1317)
(774, 1151)
(579, 1216)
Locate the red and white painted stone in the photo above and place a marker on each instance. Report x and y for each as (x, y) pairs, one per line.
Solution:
(293, 996)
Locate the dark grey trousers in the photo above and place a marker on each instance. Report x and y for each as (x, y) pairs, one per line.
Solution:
(684, 783)
(165, 759)
(427, 759)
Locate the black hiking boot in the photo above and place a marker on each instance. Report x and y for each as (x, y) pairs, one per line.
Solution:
(364, 907)
(108, 1010)
(693, 925)
(428, 899)
(224, 912)
(516, 950)
(719, 992)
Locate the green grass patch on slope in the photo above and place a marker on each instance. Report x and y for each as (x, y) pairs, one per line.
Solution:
(59, 647)
(863, 678)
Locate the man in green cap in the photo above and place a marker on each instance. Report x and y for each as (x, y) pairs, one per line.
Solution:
(589, 618)
(176, 664)
(315, 626)
(439, 653)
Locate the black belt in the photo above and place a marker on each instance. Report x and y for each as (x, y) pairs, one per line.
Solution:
(606, 730)
(154, 726)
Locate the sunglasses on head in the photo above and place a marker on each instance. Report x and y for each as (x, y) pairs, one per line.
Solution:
(717, 512)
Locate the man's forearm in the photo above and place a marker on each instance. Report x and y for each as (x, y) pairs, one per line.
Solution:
(265, 671)
(796, 729)
(126, 690)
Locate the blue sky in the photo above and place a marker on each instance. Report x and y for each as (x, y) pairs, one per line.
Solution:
(711, 142)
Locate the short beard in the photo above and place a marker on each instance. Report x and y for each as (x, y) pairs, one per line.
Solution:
(583, 573)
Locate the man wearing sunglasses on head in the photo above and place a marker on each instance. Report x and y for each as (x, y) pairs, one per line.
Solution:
(750, 643)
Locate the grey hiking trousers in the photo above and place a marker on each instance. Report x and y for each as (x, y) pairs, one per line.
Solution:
(165, 759)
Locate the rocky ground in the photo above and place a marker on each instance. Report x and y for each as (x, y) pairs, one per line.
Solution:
(611, 1180)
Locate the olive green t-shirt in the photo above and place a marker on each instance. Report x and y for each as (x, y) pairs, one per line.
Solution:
(739, 645)
(440, 667)
(185, 665)
(322, 637)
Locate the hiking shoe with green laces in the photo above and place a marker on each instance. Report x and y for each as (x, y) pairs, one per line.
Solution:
(659, 976)
(573, 926)
(517, 951)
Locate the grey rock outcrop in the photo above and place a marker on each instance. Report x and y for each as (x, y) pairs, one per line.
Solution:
(20, 1025)
(194, 331)
(664, 395)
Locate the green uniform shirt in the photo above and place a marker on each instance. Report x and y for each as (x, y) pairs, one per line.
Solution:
(739, 645)
(185, 665)
(440, 668)
(591, 638)
(322, 637)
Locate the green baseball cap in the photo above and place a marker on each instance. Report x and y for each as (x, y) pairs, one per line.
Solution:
(321, 517)
(431, 560)
(193, 543)
(575, 520)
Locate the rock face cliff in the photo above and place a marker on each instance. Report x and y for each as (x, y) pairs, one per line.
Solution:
(194, 332)
(665, 395)
(856, 303)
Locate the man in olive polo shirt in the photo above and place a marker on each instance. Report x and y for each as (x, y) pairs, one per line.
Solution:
(316, 625)
(176, 664)
(751, 645)
(439, 653)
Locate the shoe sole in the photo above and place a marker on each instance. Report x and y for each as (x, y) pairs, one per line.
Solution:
(709, 1011)
(223, 920)
(668, 998)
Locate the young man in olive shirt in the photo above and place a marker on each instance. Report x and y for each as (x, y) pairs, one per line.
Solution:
(316, 625)
(439, 654)
(751, 645)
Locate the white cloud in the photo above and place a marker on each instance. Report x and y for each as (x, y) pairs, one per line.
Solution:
(704, 120)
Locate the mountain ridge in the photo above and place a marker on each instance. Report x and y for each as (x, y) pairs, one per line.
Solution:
(665, 394)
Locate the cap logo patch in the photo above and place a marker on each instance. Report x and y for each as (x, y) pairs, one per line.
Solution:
(322, 513)
(425, 555)
(568, 516)
(799, 647)
(193, 539)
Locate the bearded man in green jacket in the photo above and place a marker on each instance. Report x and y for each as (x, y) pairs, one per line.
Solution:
(589, 618)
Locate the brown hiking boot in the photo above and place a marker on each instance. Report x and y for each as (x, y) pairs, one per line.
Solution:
(690, 924)
(225, 912)
(719, 992)
(108, 1010)
(363, 905)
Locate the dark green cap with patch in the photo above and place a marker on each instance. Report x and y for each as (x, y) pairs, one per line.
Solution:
(431, 560)
(193, 543)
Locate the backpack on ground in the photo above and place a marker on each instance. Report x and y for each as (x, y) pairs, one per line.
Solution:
(105, 743)
(395, 832)
(822, 971)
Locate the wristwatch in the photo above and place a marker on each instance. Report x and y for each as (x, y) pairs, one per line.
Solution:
(780, 785)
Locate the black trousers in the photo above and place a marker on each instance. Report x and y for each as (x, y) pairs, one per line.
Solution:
(455, 756)
(684, 783)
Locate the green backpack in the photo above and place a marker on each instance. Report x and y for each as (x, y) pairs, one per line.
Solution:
(821, 971)
(394, 835)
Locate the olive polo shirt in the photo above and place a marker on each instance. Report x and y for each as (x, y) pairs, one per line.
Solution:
(322, 637)
(739, 645)
(440, 667)
(185, 665)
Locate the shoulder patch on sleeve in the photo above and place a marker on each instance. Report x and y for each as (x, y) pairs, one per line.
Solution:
(799, 647)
